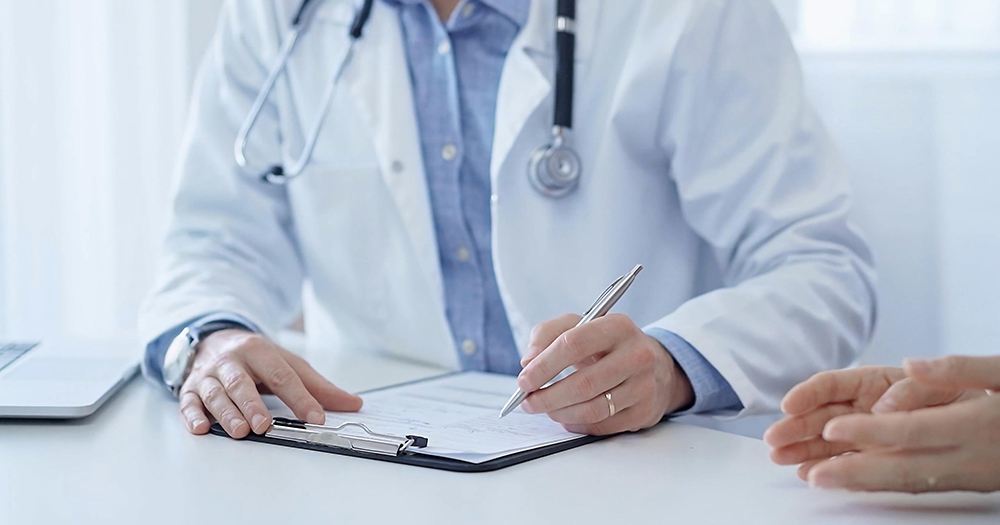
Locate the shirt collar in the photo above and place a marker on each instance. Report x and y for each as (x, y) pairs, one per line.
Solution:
(515, 10)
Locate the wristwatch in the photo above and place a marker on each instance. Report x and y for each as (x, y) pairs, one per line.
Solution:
(180, 354)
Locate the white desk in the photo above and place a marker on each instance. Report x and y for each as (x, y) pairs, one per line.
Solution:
(133, 462)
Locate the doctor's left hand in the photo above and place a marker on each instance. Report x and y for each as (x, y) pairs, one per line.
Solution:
(612, 355)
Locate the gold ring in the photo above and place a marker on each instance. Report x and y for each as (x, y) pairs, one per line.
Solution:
(611, 404)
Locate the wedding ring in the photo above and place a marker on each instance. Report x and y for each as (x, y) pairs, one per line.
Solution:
(611, 404)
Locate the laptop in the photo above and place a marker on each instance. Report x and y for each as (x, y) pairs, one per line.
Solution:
(62, 380)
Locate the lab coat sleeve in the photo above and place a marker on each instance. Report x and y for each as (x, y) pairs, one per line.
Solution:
(761, 182)
(231, 244)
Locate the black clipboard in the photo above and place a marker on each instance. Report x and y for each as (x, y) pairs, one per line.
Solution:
(415, 458)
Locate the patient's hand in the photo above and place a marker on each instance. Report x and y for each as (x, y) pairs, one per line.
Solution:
(951, 447)
(797, 439)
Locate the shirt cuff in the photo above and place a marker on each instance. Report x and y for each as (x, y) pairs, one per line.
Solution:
(156, 351)
(711, 391)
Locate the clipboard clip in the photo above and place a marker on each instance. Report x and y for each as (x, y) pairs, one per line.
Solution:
(372, 442)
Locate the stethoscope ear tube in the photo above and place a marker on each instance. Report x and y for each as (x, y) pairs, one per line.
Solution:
(565, 48)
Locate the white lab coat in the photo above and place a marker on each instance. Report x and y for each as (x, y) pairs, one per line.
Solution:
(702, 161)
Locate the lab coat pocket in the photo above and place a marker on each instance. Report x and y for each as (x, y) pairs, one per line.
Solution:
(342, 215)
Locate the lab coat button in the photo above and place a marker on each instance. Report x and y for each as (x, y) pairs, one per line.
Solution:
(469, 347)
(397, 166)
(449, 151)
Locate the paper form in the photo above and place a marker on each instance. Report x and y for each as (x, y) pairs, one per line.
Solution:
(458, 414)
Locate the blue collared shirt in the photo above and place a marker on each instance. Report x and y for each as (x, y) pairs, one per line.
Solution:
(455, 71)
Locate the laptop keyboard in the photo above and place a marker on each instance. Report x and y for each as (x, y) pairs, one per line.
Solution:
(10, 352)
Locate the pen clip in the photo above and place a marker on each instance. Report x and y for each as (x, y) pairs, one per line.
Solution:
(602, 296)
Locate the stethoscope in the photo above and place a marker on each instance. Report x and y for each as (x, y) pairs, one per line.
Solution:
(553, 169)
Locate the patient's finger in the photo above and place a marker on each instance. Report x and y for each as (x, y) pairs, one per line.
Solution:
(804, 426)
(928, 428)
(908, 395)
(957, 372)
(810, 450)
(859, 386)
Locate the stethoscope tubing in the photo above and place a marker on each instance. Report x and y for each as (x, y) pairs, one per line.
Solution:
(548, 180)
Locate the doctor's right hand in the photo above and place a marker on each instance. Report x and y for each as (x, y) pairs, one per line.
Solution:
(231, 371)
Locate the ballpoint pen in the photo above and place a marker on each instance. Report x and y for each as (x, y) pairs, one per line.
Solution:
(601, 306)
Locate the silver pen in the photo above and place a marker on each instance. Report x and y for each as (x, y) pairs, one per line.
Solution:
(601, 306)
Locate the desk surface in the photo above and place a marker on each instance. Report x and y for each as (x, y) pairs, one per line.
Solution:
(134, 462)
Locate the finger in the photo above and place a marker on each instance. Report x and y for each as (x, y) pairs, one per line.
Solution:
(628, 420)
(804, 426)
(810, 450)
(803, 471)
(193, 412)
(242, 390)
(571, 347)
(926, 428)
(214, 396)
(543, 334)
(899, 471)
(907, 395)
(328, 395)
(268, 367)
(956, 372)
(597, 409)
(583, 385)
(838, 386)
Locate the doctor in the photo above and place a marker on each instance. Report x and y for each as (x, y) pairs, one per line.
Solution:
(419, 226)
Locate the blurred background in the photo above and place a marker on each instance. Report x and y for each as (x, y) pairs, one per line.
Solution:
(93, 96)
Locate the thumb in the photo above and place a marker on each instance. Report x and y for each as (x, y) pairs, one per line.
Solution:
(956, 372)
(328, 395)
(907, 395)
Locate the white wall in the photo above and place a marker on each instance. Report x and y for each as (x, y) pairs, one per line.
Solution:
(921, 132)
(93, 97)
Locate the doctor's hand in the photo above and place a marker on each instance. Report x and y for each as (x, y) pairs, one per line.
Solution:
(234, 367)
(612, 355)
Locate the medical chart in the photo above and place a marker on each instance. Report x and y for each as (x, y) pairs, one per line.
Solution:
(458, 414)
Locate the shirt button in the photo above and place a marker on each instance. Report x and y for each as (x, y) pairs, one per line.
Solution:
(469, 347)
(462, 253)
(449, 151)
(468, 9)
(444, 47)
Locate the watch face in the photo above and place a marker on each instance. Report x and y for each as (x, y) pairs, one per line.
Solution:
(177, 359)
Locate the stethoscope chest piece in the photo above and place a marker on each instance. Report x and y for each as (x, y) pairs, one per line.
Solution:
(554, 170)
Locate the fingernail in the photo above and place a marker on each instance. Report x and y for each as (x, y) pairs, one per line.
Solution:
(258, 423)
(886, 404)
(315, 417)
(833, 433)
(526, 406)
(236, 424)
(818, 481)
(195, 423)
(918, 365)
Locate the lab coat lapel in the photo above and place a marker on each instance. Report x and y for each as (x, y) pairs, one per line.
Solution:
(380, 83)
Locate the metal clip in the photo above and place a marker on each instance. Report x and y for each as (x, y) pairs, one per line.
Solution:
(372, 442)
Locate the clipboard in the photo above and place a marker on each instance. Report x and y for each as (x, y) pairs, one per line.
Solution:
(360, 441)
